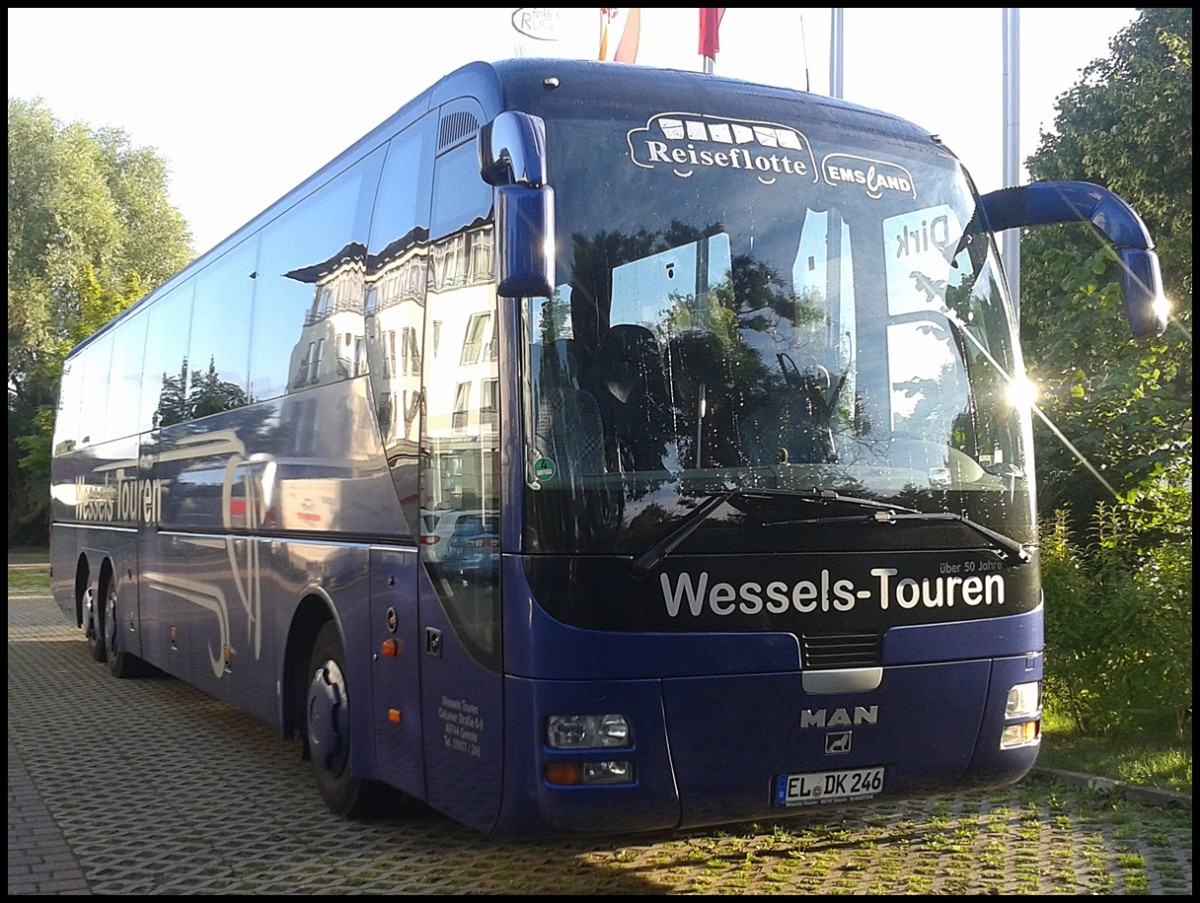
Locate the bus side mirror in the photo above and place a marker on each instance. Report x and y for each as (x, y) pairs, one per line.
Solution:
(1042, 203)
(525, 241)
(1146, 307)
(512, 159)
(512, 150)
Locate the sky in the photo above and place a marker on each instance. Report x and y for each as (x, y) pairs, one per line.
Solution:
(243, 104)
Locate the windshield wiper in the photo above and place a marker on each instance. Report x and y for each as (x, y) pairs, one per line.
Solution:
(1005, 547)
(649, 559)
(823, 497)
(646, 562)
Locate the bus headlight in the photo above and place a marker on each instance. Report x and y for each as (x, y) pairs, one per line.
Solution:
(1024, 702)
(586, 731)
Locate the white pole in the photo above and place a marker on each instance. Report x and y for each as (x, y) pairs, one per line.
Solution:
(1011, 240)
(835, 52)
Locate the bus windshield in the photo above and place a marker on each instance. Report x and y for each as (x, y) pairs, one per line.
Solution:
(764, 304)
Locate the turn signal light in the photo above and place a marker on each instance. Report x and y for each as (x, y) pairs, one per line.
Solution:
(563, 773)
(1024, 734)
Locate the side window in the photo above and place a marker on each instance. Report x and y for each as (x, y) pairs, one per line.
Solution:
(93, 410)
(309, 286)
(125, 382)
(165, 384)
(219, 350)
(460, 196)
(460, 441)
(397, 266)
(70, 396)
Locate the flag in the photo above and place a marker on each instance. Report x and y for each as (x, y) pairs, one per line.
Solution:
(625, 26)
(710, 24)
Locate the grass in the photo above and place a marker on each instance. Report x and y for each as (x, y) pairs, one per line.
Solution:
(28, 581)
(1149, 753)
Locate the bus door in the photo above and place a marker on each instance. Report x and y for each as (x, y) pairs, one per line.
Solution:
(460, 487)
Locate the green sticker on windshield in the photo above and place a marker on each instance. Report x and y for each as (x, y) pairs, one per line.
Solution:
(543, 470)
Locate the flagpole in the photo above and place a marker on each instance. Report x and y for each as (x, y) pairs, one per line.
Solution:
(836, 39)
(710, 25)
(1010, 241)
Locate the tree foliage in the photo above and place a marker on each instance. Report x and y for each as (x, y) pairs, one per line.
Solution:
(1126, 404)
(90, 230)
(1117, 554)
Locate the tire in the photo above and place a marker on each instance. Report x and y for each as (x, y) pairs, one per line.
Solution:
(93, 626)
(327, 727)
(122, 664)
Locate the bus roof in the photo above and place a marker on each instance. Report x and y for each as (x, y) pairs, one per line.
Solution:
(511, 84)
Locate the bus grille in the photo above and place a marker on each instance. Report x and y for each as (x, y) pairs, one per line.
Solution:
(840, 650)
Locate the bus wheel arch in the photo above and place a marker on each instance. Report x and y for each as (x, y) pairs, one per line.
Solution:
(81, 590)
(311, 615)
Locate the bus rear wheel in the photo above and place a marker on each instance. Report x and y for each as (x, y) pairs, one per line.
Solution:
(122, 664)
(328, 731)
(93, 625)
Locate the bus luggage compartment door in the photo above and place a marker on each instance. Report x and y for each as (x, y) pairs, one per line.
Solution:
(395, 679)
(733, 738)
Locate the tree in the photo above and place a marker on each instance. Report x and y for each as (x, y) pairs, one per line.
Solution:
(1125, 404)
(90, 229)
(1118, 574)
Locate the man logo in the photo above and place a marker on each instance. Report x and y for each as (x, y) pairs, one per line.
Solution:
(839, 717)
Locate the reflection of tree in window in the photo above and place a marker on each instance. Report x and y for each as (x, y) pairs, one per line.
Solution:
(554, 320)
(172, 403)
(211, 395)
(208, 394)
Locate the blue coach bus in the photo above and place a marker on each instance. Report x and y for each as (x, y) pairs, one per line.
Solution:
(589, 448)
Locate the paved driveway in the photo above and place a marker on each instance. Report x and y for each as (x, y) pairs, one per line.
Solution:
(149, 787)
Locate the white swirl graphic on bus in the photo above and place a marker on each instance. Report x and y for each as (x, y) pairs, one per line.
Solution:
(686, 142)
(875, 176)
(687, 595)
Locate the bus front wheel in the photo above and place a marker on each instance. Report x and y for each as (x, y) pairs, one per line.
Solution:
(328, 726)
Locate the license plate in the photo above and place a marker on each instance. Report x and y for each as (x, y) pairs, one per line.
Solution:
(828, 786)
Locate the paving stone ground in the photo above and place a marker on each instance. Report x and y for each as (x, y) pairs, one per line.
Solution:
(149, 787)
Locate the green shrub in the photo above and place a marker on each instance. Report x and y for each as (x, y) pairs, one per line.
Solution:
(1119, 612)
